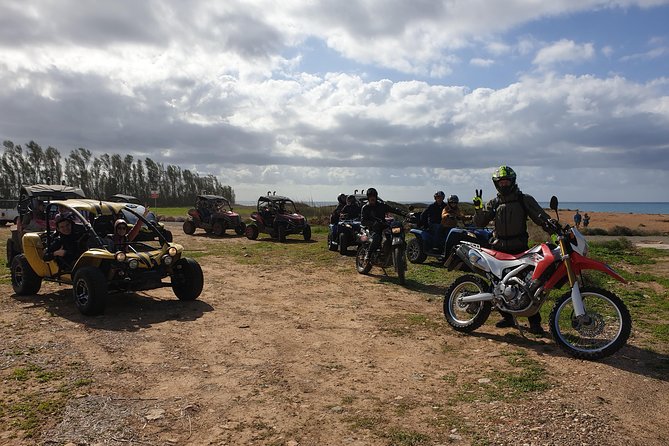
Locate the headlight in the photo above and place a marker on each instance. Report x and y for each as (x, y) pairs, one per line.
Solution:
(120, 257)
(167, 260)
(172, 251)
(397, 230)
(133, 263)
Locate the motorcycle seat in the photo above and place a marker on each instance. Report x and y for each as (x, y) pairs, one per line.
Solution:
(502, 255)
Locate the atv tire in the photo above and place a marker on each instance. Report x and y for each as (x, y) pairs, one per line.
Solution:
(251, 232)
(415, 251)
(218, 228)
(189, 227)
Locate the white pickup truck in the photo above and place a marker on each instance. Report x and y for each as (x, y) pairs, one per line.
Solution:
(8, 211)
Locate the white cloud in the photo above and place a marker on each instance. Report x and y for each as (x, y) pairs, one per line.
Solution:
(479, 62)
(564, 51)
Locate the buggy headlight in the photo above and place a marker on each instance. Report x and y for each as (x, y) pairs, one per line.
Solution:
(167, 260)
(133, 263)
(120, 257)
(172, 251)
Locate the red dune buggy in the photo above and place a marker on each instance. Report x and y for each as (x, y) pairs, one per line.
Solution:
(278, 217)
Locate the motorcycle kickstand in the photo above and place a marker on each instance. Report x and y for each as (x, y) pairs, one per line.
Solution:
(519, 327)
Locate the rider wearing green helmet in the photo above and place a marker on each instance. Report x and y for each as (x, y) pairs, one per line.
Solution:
(509, 211)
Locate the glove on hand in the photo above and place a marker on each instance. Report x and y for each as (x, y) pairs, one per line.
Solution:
(478, 199)
(552, 225)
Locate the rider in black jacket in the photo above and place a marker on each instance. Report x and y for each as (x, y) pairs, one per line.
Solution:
(341, 202)
(352, 209)
(374, 216)
(432, 214)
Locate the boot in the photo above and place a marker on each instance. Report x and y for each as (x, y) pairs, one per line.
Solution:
(506, 322)
(535, 325)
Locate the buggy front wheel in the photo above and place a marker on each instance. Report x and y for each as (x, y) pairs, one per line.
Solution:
(187, 279)
(306, 233)
(90, 290)
(241, 229)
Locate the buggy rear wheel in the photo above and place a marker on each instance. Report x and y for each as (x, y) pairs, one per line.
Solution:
(187, 279)
(10, 252)
(90, 290)
(251, 232)
(282, 234)
(189, 227)
(25, 280)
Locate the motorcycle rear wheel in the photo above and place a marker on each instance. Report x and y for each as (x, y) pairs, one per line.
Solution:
(603, 333)
(461, 316)
(360, 265)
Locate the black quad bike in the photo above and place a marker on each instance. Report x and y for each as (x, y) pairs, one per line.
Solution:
(392, 251)
(278, 217)
(214, 214)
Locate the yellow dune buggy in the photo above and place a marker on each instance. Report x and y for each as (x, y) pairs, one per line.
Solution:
(99, 269)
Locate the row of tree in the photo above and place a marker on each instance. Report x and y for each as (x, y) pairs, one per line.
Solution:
(105, 175)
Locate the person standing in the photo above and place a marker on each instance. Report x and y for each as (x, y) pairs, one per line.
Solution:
(509, 211)
(577, 219)
(586, 220)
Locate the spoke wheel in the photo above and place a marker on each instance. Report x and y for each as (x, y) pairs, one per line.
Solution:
(602, 331)
(466, 317)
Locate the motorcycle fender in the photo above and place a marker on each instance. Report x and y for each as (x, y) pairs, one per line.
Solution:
(580, 263)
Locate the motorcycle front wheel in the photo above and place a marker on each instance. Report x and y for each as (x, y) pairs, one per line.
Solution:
(360, 265)
(601, 332)
(466, 317)
(400, 262)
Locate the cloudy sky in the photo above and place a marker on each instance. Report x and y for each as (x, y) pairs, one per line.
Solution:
(312, 98)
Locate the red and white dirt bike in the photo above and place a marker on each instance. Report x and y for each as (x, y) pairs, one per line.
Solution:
(587, 322)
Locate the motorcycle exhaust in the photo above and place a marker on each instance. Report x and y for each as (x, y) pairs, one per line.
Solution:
(480, 297)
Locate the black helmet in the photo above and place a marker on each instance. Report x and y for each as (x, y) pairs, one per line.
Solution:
(372, 192)
(350, 199)
(504, 173)
(453, 199)
(341, 198)
(439, 193)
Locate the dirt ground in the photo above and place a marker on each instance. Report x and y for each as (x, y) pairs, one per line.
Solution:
(305, 355)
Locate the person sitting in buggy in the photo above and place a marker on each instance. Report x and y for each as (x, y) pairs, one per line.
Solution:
(65, 247)
(352, 210)
(34, 221)
(120, 240)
